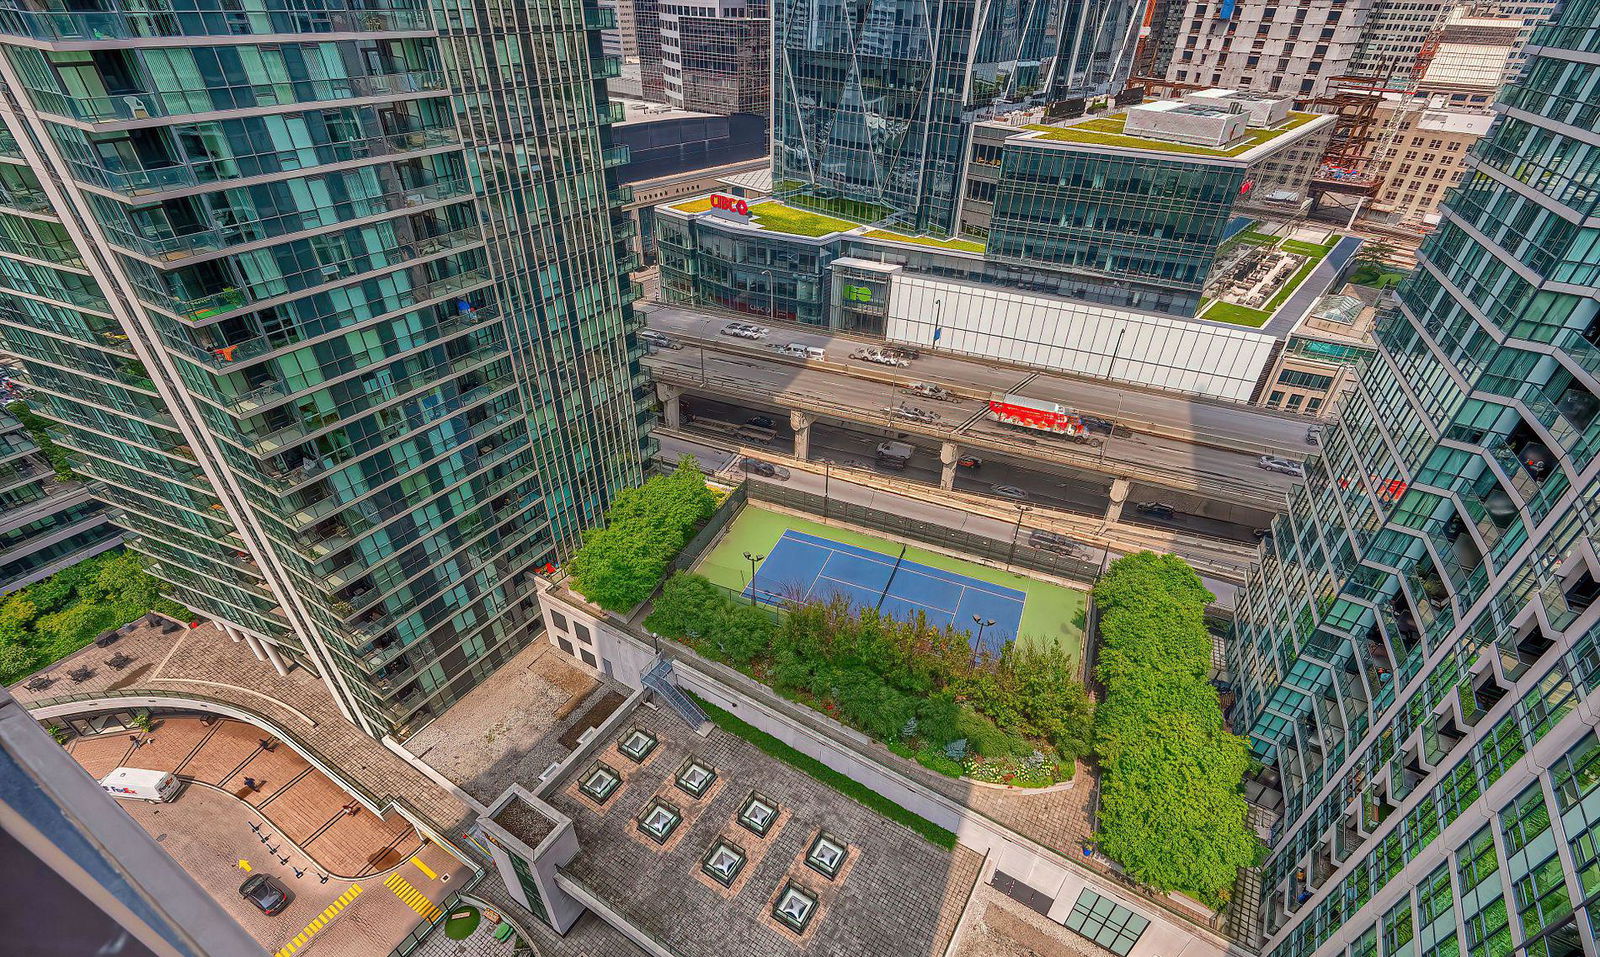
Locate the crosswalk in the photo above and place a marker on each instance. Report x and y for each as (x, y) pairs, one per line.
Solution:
(322, 920)
(413, 898)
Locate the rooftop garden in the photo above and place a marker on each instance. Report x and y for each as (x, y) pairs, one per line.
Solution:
(1171, 811)
(781, 218)
(50, 619)
(960, 245)
(1235, 314)
(622, 562)
(1019, 718)
(1108, 131)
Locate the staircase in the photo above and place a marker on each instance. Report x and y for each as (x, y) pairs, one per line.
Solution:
(660, 680)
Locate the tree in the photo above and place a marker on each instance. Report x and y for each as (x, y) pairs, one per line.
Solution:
(686, 604)
(620, 564)
(1375, 254)
(123, 579)
(16, 660)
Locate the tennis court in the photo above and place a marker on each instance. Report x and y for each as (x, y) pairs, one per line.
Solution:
(1050, 613)
(804, 567)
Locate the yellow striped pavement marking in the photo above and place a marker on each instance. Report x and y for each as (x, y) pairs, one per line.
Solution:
(412, 898)
(320, 921)
(424, 868)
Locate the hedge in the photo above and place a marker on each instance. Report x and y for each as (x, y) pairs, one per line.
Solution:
(621, 562)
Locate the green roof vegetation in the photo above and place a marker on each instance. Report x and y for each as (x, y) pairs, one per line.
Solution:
(1171, 809)
(1108, 131)
(694, 205)
(1236, 315)
(962, 245)
(50, 619)
(780, 218)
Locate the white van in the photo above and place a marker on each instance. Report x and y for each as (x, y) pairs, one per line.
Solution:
(816, 352)
(139, 784)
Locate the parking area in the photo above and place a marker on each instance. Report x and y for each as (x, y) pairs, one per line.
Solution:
(359, 882)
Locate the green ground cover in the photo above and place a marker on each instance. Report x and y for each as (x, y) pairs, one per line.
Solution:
(50, 619)
(780, 218)
(839, 782)
(1236, 314)
(1367, 274)
(962, 245)
(1052, 615)
(1108, 131)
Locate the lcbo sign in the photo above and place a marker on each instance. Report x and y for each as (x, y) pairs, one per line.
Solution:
(731, 204)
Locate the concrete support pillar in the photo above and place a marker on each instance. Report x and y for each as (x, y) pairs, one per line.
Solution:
(255, 646)
(275, 658)
(801, 423)
(949, 454)
(671, 407)
(1119, 496)
(231, 631)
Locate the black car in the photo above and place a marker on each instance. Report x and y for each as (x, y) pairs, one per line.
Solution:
(1097, 424)
(765, 469)
(1156, 509)
(759, 421)
(267, 893)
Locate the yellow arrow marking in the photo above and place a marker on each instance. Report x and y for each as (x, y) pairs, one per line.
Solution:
(243, 864)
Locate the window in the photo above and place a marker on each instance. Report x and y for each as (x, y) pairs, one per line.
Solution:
(794, 907)
(695, 778)
(583, 633)
(724, 862)
(1106, 922)
(565, 645)
(588, 659)
(758, 814)
(600, 783)
(559, 619)
(826, 856)
(659, 819)
(637, 744)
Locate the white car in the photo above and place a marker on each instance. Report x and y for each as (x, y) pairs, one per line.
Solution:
(1285, 466)
(1010, 491)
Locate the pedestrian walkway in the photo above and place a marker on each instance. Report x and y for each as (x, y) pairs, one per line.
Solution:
(320, 921)
(311, 811)
(412, 898)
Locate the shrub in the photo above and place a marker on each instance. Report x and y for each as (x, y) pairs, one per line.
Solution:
(621, 563)
(1170, 808)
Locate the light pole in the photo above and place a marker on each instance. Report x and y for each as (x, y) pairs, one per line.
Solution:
(753, 560)
(772, 295)
(938, 319)
(827, 479)
(982, 623)
(1015, 534)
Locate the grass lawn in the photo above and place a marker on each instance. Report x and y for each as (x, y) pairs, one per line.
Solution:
(1108, 131)
(849, 787)
(1367, 275)
(962, 245)
(779, 218)
(700, 205)
(1050, 614)
(1237, 315)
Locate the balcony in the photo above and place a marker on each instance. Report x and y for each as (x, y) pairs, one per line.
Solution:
(599, 18)
(610, 112)
(606, 67)
(619, 196)
(141, 105)
(25, 200)
(208, 19)
(615, 156)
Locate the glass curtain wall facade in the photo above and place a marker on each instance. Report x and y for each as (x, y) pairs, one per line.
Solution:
(329, 301)
(1417, 656)
(874, 99)
(45, 524)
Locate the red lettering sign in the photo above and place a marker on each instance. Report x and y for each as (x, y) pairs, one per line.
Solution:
(732, 204)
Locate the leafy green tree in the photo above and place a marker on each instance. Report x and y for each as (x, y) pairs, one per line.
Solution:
(744, 633)
(16, 660)
(619, 565)
(1375, 254)
(686, 605)
(123, 579)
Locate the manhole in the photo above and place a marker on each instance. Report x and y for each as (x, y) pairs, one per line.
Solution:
(443, 880)
(160, 837)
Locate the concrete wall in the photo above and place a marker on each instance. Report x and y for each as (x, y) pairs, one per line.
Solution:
(1182, 355)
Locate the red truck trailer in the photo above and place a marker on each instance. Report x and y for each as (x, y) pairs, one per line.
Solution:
(1021, 411)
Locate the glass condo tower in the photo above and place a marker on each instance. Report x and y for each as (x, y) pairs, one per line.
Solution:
(1418, 654)
(329, 301)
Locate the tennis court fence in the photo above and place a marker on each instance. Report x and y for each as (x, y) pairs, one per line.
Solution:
(1019, 554)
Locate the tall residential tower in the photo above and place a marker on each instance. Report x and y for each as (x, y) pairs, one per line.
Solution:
(328, 300)
(1418, 654)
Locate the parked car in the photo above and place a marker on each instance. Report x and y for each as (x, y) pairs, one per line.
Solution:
(765, 469)
(1156, 509)
(1284, 466)
(1009, 491)
(970, 462)
(267, 893)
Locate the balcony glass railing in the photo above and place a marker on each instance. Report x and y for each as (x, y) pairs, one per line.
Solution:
(140, 105)
(205, 19)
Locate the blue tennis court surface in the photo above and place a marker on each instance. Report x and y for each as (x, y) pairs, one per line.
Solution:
(804, 567)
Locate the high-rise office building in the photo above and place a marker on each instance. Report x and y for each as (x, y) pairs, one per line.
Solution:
(1416, 658)
(708, 57)
(874, 101)
(329, 301)
(1266, 46)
